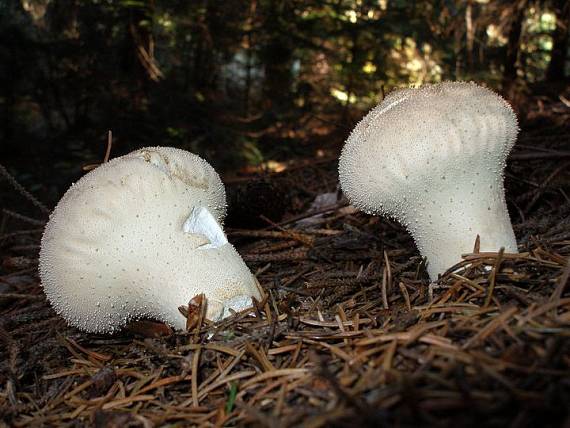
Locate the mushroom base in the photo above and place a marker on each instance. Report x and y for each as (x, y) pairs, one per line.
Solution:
(447, 228)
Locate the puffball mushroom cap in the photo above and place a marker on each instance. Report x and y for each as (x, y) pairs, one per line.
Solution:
(140, 236)
(433, 158)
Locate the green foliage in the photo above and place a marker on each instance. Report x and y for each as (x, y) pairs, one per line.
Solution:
(229, 79)
(231, 397)
(251, 153)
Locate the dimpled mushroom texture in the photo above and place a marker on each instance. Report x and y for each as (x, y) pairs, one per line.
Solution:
(433, 158)
(138, 237)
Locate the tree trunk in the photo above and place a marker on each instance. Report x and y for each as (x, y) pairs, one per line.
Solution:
(513, 46)
(556, 67)
(249, 58)
(469, 34)
(277, 55)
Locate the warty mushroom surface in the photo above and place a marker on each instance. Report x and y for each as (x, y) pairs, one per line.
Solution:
(433, 158)
(140, 236)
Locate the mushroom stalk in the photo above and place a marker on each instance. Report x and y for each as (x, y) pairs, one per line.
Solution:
(442, 235)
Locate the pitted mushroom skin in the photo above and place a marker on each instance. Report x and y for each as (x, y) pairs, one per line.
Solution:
(138, 237)
(433, 158)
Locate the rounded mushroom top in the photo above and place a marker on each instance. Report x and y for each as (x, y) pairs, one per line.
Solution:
(190, 169)
(140, 236)
(418, 141)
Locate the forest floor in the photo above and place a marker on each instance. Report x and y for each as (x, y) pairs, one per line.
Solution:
(351, 332)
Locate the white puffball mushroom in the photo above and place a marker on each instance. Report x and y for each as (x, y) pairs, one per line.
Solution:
(140, 236)
(433, 158)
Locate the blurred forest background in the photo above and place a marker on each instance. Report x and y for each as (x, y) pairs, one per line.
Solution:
(248, 84)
